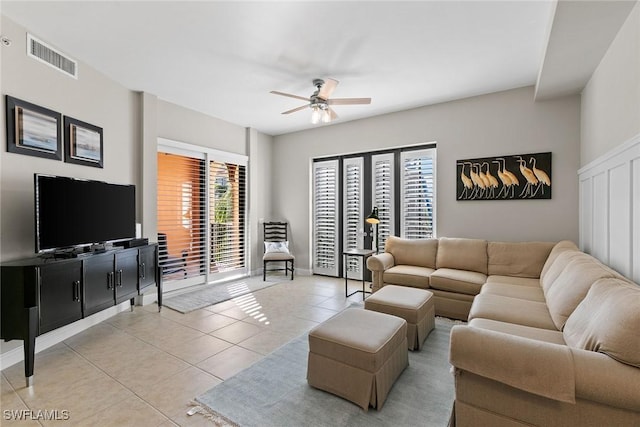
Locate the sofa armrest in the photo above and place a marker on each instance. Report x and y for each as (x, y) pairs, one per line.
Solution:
(534, 366)
(600, 378)
(378, 264)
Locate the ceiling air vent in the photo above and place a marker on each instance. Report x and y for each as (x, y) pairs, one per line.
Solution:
(42, 52)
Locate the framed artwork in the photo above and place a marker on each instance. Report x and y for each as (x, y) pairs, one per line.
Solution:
(33, 130)
(82, 143)
(511, 177)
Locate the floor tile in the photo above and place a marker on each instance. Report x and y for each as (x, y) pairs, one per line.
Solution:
(145, 367)
(173, 395)
(237, 332)
(229, 362)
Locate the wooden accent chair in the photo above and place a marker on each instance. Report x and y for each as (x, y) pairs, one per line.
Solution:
(276, 248)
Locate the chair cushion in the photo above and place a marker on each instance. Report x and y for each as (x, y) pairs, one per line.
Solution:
(462, 254)
(418, 252)
(361, 338)
(522, 259)
(277, 256)
(408, 275)
(462, 281)
(608, 321)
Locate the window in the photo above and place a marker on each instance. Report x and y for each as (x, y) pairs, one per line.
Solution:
(418, 194)
(384, 195)
(400, 183)
(202, 210)
(353, 215)
(325, 218)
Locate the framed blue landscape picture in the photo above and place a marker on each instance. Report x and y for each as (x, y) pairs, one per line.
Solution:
(33, 130)
(83, 143)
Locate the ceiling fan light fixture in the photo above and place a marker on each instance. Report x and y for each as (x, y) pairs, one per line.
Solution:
(315, 114)
(326, 117)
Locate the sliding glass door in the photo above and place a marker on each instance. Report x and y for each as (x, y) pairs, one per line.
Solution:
(201, 214)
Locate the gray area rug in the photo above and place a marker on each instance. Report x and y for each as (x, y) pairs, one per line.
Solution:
(213, 294)
(274, 391)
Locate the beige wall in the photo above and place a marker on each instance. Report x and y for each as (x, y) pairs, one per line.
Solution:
(501, 123)
(131, 122)
(92, 98)
(611, 100)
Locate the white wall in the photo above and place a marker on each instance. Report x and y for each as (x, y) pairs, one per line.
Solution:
(610, 155)
(611, 100)
(501, 123)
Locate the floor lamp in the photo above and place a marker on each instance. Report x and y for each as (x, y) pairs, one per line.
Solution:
(373, 219)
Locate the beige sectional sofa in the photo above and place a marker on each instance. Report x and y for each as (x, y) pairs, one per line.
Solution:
(456, 269)
(559, 349)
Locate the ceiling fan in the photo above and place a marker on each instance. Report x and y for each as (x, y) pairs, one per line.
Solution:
(320, 103)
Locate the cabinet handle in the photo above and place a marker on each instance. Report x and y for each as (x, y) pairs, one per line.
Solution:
(143, 272)
(119, 278)
(110, 280)
(76, 291)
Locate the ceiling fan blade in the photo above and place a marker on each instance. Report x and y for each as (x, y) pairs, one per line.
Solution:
(327, 88)
(332, 114)
(349, 101)
(275, 92)
(295, 109)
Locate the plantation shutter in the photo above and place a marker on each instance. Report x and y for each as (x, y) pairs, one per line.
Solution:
(181, 213)
(418, 194)
(227, 197)
(353, 232)
(383, 195)
(325, 218)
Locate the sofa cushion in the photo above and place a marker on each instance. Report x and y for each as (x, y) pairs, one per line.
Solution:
(572, 285)
(562, 246)
(512, 310)
(561, 262)
(462, 281)
(522, 259)
(462, 254)
(608, 321)
(554, 337)
(418, 252)
(408, 275)
(516, 281)
(528, 293)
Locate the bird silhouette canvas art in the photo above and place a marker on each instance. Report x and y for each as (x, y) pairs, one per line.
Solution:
(509, 177)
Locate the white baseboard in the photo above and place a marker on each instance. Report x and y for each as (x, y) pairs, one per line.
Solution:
(54, 337)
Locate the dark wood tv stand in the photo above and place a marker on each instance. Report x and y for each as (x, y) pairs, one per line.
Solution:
(40, 294)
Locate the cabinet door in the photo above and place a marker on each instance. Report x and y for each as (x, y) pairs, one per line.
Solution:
(60, 297)
(147, 261)
(126, 274)
(99, 283)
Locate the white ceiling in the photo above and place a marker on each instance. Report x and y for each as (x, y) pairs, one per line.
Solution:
(223, 58)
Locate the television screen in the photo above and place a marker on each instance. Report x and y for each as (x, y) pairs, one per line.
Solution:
(71, 212)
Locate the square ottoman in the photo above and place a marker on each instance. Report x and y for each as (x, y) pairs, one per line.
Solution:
(416, 306)
(358, 355)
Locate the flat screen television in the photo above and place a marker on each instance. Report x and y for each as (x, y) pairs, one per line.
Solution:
(73, 212)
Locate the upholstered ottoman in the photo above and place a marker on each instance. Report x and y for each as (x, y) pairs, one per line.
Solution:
(358, 355)
(416, 306)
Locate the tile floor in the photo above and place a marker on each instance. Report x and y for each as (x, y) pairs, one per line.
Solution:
(143, 368)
